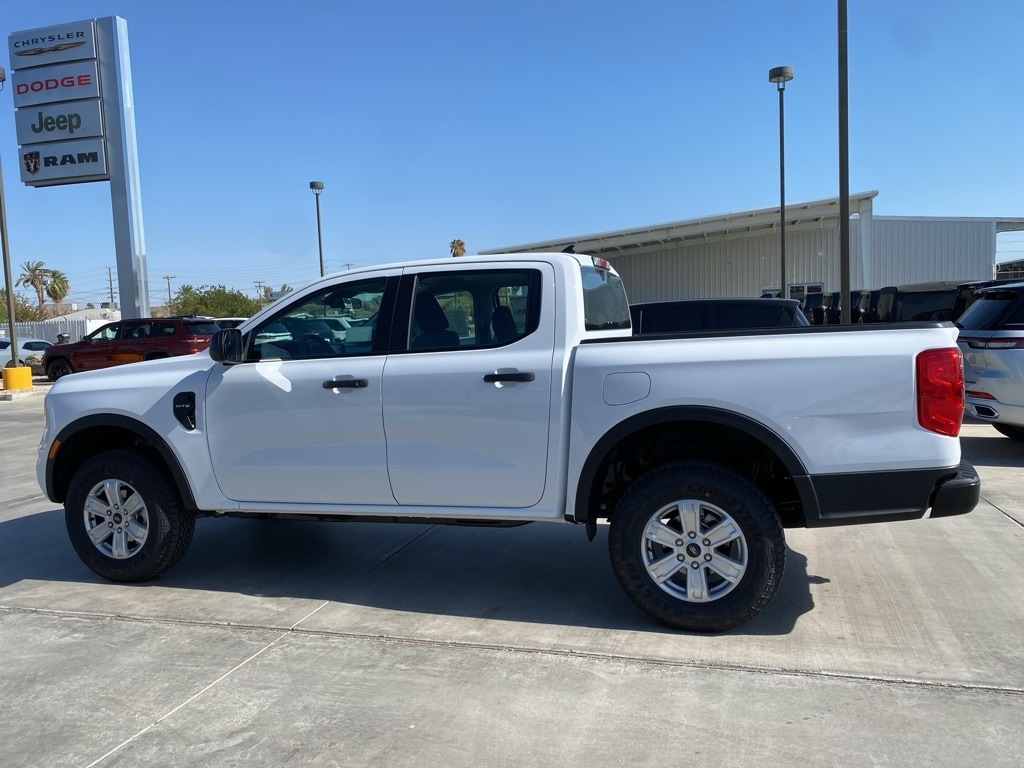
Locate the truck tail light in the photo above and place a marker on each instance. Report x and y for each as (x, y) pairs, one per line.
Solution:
(940, 390)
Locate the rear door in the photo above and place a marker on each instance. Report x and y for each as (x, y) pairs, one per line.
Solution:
(467, 393)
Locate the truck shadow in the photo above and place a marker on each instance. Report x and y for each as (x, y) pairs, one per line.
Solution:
(993, 450)
(541, 574)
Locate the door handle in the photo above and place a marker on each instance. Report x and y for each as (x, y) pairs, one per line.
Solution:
(491, 378)
(346, 384)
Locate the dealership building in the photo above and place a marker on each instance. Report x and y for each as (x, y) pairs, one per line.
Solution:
(737, 254)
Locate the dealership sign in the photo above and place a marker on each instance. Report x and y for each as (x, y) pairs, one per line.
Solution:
(80, 160)
(56, 122)
(75, 123)
(51, 45)
(57, 82)
(57, 91)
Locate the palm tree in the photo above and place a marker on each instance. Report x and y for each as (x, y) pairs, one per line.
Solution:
(34, 275)
(458, 248)
(57, 287)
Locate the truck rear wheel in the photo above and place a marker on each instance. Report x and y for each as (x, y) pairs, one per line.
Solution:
(697, 546)
(124, 518)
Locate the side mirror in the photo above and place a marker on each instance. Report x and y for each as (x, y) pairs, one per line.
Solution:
(226, 345)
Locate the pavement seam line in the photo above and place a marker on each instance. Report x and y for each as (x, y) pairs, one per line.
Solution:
(187, 701)
(295, 627)
(1004, 514)
(937, 685)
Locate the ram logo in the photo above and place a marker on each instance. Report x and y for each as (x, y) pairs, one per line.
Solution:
(31, 161)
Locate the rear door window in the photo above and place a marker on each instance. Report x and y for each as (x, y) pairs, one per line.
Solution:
(201, 328)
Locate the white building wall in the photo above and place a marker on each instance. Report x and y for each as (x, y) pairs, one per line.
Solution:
(918, 250)
(904, 251)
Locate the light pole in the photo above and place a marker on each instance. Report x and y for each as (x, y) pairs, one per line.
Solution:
(780, 76)
(318, 187)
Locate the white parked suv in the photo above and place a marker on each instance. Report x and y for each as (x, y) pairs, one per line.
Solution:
(992, 341)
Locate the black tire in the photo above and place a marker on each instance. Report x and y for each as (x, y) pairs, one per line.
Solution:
(58, 367)
(121, 541)
(1016, 433)
(733, 530)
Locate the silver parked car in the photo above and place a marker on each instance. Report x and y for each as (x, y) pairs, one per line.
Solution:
(992, 341)
(26, 349)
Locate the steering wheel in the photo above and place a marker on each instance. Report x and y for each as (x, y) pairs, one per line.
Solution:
(314, 346)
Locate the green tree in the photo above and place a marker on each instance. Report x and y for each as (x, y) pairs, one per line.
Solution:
(57, 287)
(23, 311)
(34, 275)
(213, 301)
(458, 248)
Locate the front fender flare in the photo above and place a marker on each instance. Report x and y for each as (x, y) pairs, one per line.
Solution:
(57, 479)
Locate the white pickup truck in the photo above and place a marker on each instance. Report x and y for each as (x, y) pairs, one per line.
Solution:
(506, 391)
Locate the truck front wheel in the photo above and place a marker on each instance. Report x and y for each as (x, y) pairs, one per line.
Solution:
(124, 518)
(697, 546)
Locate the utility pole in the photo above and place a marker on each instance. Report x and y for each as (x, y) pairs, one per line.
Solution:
(168, 278)
(110, 277)
(259, 291)
(349, 265)
(844, 169)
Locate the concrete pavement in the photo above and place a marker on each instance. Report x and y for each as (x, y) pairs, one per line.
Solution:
(295, 643)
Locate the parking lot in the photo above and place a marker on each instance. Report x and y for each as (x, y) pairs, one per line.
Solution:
(298, 643)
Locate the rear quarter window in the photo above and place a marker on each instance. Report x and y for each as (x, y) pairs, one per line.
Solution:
(605, 306)
(987, 312)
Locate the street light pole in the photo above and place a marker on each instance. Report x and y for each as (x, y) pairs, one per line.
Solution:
(318, 188)
(780, 76)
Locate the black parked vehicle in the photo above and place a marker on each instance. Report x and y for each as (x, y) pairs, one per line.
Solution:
(946, 300)
(689, 315)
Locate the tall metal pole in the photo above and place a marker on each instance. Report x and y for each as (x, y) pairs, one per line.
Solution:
(8, 276)
(783, 293)
(318, 187)
(844, 173)
(780, 76)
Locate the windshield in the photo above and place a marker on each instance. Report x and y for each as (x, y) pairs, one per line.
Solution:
(604, 300)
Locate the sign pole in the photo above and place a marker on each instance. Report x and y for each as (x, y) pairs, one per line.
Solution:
(122, 154)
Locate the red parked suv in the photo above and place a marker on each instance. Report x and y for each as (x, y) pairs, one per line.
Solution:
(130, 341)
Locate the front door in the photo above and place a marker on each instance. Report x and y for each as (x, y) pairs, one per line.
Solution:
(300, 420)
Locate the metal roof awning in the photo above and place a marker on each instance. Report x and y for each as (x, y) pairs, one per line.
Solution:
(701, 228)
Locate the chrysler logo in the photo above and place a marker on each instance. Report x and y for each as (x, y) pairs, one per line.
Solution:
(49, 49)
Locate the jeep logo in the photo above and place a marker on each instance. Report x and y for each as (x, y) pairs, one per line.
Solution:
(69, 123)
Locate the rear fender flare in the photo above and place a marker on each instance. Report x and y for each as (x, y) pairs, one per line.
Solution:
(583, 511)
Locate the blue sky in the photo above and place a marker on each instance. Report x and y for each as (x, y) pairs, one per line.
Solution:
(505, 123)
